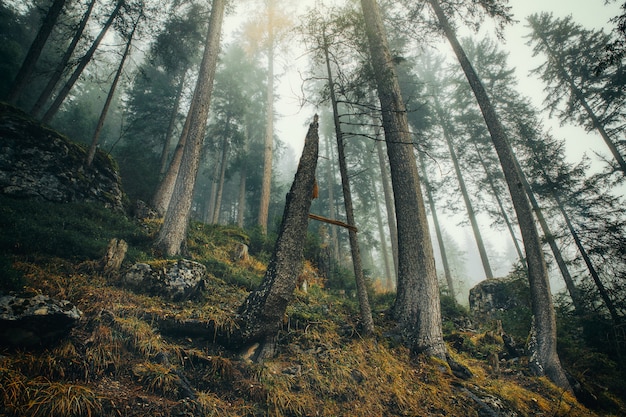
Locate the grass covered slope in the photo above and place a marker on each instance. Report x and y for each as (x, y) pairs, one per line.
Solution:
(129, 356)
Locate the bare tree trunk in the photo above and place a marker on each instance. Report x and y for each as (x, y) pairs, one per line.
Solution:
(62, 94)
(169, 136)
(366, 312)
(176, 222)
(220, 182)
(28, 65)
(163, 194)
(241, 206)
(331, 199)
(107, 103)
(266, 184)
(263, 311)
(547, 359)
(496, 194)
(389, 204)
(389, 280)
(213, 192)
(433, 212)
(417, 307)
(463, 188)
(62, 65)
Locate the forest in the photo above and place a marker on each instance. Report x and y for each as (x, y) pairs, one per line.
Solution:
(301, 208)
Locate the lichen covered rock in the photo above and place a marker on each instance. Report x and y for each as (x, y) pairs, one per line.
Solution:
(35, 320)
(176, 280)
(37, 162)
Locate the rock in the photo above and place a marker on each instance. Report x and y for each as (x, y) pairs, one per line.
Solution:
(177, 280)
(35, 321)
(37, 162)
(492, 297)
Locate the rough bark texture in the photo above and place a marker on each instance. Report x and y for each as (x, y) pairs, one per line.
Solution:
(542, 305)
(62, 94)
(417, 306)
(174, 230)
(366, 311)
(28, 65)
(433, 213)
(262, 313)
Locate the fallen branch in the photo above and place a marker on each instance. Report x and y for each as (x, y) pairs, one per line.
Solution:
(331, 221)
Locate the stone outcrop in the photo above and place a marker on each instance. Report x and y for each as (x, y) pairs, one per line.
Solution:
(35, 320)
(37, 162)
(175, 280)
(490, 298)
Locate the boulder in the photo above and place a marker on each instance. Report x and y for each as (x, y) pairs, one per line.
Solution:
(35, 320)
(492, 298)
(176, 280)
(38, 162)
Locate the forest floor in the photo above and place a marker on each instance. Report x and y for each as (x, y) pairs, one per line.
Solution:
(129, 357)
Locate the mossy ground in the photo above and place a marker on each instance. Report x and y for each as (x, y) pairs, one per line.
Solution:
(118, 362)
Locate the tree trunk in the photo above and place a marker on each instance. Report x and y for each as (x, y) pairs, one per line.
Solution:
(169, 136)
(331, 199)
(496, 194)
(28, 65)
(212, 193)
(176, 222)
(266, 183)
(241, 206)
(163, 194)
(417, 307)
(389, 281)
(107, 103)
(263, 311)
(62, 65)
(366, 312)
(389, 204)
(542, 305)
(433, 212)
(220, 182)
(468, 204)
(549, 237)
(62, 94)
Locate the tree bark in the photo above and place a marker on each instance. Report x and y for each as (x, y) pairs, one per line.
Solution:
(176, 222)
(389, 204)
(62, 65)
(220, 182)
(389, 281)
(366, 312)
(167, 143)
(28, 65)
(496, 194)
(417, 307)
(433, 212)
(107, 103)
(241, 206)
(62, 94)
(542, 305)
(266, 184)
(262, 313)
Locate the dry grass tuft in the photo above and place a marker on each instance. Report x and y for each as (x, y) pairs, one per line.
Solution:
(62, 399)
(157, 378)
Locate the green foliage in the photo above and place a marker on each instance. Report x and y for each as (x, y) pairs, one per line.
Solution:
(73, 230)
(261, 244)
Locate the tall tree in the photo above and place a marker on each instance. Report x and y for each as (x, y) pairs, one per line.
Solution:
(105, 108)
(28, 65)
(546, 360)
(417, 306)
(61, 66)
(366, 312)
(62, 94)
(173, 232)
(570, 78)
